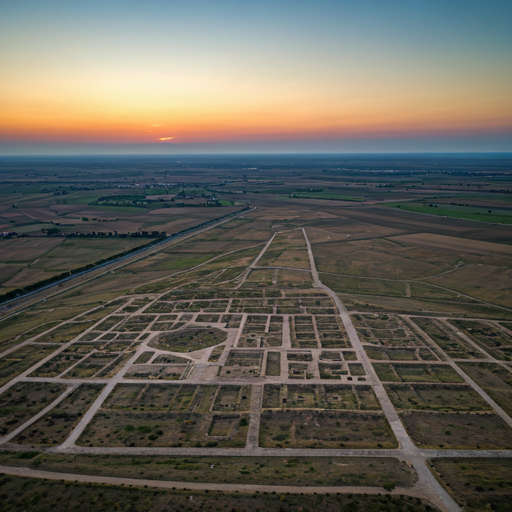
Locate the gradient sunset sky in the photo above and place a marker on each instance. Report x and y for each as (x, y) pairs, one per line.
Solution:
(234, 76)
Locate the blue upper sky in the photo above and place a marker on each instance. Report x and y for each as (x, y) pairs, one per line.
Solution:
(255, 76)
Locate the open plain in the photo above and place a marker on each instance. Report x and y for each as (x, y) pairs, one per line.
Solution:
(321, 342)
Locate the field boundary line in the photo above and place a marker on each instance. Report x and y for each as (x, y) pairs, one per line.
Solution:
(106, 266)
(426, 479)
(252, 266)
(419, 281)
(185, 271)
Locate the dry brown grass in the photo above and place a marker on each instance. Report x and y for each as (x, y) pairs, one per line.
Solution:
(375, 303)
(459, 245)
(288, 249)
(492, 284)
(337, 231)
(28, 276)
(27, 249)
(378, 258)
(460, 431)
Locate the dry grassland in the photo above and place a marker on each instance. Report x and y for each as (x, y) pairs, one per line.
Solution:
(378, 258)
(294, 279)
(477, 483)
(339, 229)
(22, 359)
(62, 496)
(459, 245)
(18, 250)
(436, 397)
(24, 400)
(372, 303)
(491, 284)
(458, 431)
(325, 429)
(288, 249)
(349, 284)
(54, 427)
(495, 380)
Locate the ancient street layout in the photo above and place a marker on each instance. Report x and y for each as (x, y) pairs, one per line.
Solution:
(265, 361)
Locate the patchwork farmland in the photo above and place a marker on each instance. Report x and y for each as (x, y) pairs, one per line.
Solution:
(269, 353)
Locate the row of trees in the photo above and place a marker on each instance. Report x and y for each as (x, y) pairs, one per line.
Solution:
(18, 292)
(105, 234)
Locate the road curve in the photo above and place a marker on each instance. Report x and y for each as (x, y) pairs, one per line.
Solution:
(207, 486)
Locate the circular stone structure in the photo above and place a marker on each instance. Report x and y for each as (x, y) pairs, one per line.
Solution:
(188, 340)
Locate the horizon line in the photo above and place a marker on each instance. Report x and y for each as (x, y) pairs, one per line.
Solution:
(269, 153)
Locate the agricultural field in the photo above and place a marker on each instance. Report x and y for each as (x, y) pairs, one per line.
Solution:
(457, 211)
(63, 228)
(322, 338)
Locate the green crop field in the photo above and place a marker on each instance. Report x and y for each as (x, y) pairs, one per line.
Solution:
(501, 216)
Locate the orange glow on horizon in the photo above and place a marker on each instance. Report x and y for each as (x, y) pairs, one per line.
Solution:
(263, 71)
(123, 132)
(242, 113)
(147, 108)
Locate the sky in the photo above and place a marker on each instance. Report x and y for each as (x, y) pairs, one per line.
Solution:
(108, 76)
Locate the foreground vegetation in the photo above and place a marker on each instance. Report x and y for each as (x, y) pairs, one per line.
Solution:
(303, 471)
(477, 484)
(197, 334)
(19, 494)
